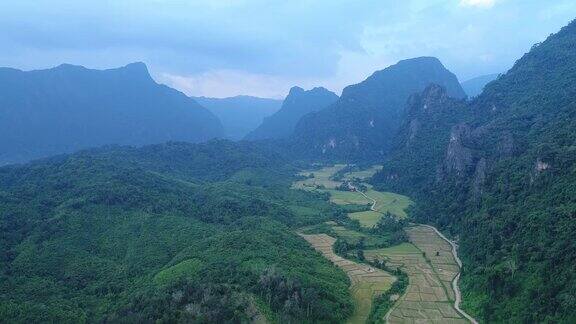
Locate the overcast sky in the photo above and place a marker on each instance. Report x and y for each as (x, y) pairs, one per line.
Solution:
(263, 47)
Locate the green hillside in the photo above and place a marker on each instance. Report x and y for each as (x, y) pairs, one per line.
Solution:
(136, 235)
(499, 173)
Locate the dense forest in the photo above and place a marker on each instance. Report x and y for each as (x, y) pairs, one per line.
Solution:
(499, 173)
(172, 232)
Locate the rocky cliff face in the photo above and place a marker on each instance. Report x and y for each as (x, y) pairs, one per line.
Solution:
(499, 171)
(459, 158)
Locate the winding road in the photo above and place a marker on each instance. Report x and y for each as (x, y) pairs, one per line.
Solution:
(373, 207)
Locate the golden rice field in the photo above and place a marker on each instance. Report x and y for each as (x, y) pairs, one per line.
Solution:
(431, 267)
(385, 201)
(366, 281)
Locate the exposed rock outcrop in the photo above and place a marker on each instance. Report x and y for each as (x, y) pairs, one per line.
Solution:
(459, 158)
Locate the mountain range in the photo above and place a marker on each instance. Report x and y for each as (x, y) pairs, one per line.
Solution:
(362, 123)
(298, 103)
(68, 108)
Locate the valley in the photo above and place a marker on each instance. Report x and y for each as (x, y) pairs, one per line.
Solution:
(427, 258)
(288, 162)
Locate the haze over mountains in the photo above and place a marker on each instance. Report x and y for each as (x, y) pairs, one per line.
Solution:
(298, 103)
(365, 118)
(74, 108)
(68, 108)
(475, 86)
(241, 114)
(167, 229)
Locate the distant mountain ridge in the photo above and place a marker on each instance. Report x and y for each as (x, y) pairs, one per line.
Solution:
(240, 114)
(298, 103)
(474, 86)
(66, 108)
(363, 121)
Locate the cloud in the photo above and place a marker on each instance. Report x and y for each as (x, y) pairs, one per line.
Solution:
(478, 3)
(263, 47)
(226, 83)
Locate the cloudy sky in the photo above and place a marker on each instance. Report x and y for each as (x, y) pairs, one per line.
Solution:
(263, 47)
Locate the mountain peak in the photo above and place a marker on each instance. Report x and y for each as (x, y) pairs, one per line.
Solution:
(368, 114)
(295, 90)
(137, 67)
(298, 103)
(70, 67)
(421, 59)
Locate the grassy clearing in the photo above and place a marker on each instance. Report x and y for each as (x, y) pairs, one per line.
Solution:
(367, 218)
(363, 174)
(184, 270)
(430, 266)
(348, 235)
(401, 249)
(321, 178)
(366, 281)
(347, 198)
(386, 202)
(390, 202)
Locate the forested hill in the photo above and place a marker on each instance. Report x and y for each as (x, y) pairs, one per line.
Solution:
(68, 108)
(167, 233)
(362, 123)
(500, 173)
(241, 114)
(298, 103)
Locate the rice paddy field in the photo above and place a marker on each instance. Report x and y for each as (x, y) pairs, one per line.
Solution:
(366, 281)
(427, 259)
(348, 198)
(321, 178)
(363, 174)
(431, 267)
(353, 237)
(385, 201)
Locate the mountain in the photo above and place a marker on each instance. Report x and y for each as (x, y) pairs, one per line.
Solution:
(297, 104)
(474, 86)
(172, 233)
(241, 114)
(67, 108)
(499, 173)
(361, 124)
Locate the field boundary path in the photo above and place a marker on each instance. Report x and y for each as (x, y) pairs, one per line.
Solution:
(373, 207)
(366, 281)
(455, 287)
(431, 268)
